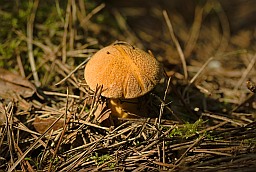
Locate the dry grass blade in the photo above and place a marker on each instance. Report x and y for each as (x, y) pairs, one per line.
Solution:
(246, 72)
(10, 134)
(72, 72)
(91, 124)
(66, 122)
(29, 167)
(22, 127)
(178, 162)
(200, 71)
(211, 152)
(30, 26)
(195, 30)
(21, 68)
(196, 75)
(64, 39)
(155, 141)
(78, 160)
(168, 108)
(123, 25)
(222, 118)
(176, 42)
(92, 13)
(224, 24)
(208, 164)
(163, 103)
(249, 99)
(60, 94)
(101, 166)
(183, 102)
(33, 145)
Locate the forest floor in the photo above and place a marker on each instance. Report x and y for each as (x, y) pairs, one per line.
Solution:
(204, 108)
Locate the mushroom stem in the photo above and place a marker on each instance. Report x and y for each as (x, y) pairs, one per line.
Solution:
(125, 108)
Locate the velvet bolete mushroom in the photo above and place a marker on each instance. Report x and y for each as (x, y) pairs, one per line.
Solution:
(124, 72)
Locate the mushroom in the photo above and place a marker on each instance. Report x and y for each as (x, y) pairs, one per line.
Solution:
(125, 73)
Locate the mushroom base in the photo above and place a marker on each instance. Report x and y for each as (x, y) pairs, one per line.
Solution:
(127, 108)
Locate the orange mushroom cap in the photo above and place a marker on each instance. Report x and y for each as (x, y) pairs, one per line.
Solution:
(123, 70)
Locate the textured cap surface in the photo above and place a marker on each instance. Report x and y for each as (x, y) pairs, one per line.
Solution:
(124, 71)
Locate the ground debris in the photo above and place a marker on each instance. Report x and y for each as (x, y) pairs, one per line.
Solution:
(205, 120)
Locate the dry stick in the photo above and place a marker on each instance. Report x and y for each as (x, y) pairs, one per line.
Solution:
(29, 42)
(245, 73)
(176, 42)
(33, 145)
